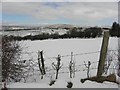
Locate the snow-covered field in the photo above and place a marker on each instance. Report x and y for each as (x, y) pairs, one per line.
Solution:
(84, 50)
(23, 33)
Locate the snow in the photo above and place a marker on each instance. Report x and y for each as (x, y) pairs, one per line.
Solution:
(51, 48)
(63, 84)
(23, 33)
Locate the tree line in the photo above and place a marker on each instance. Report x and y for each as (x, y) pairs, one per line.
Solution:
(115, 29)
(91, 32)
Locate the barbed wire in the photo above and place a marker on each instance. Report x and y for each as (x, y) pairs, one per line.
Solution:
(50, 58)
(79, 70)
(70, 55)
(78, 54)
(75, 66)
(92, 68)
(48, 70)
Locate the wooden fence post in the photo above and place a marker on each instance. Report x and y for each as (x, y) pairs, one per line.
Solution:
(103, 53)
(0, 62)
(40, 65)
(119, 57)
(0, 73)
(42, 61)
(70, 65)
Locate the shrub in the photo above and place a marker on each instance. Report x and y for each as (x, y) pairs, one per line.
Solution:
(52, 82)
(70, 84)
(11, 64)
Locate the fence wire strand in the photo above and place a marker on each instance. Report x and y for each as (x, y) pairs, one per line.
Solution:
(49, 69)
(78, 54)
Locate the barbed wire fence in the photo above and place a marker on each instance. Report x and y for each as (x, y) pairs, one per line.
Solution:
(65, 70)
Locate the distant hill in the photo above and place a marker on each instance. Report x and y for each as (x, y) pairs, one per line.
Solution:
(62, 26)
(39, 27)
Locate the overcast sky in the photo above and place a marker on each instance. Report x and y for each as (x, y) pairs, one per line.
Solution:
(79, 13)
(59, 0)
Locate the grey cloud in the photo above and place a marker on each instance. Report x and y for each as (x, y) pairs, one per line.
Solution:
(74, 11)
(60, 0)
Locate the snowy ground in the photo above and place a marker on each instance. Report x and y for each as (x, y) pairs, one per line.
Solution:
(34, 32)
(63, 84)
(80, 48)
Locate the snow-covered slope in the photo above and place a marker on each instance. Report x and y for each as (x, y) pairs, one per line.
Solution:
(84, 50)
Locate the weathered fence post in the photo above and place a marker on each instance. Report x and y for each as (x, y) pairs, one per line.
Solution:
(0, 62)
(103, 53)
(1, 49)
(40, 65)
(119, 57)
(0, 74)
(70, 65)
(119, 62)
(99, 78)
(42, 61)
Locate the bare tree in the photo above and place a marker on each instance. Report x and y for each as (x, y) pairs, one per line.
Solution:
(57, 66)
(72, 66)
(109, 59)
(12, 66)
(88, 68)
(29, 70)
